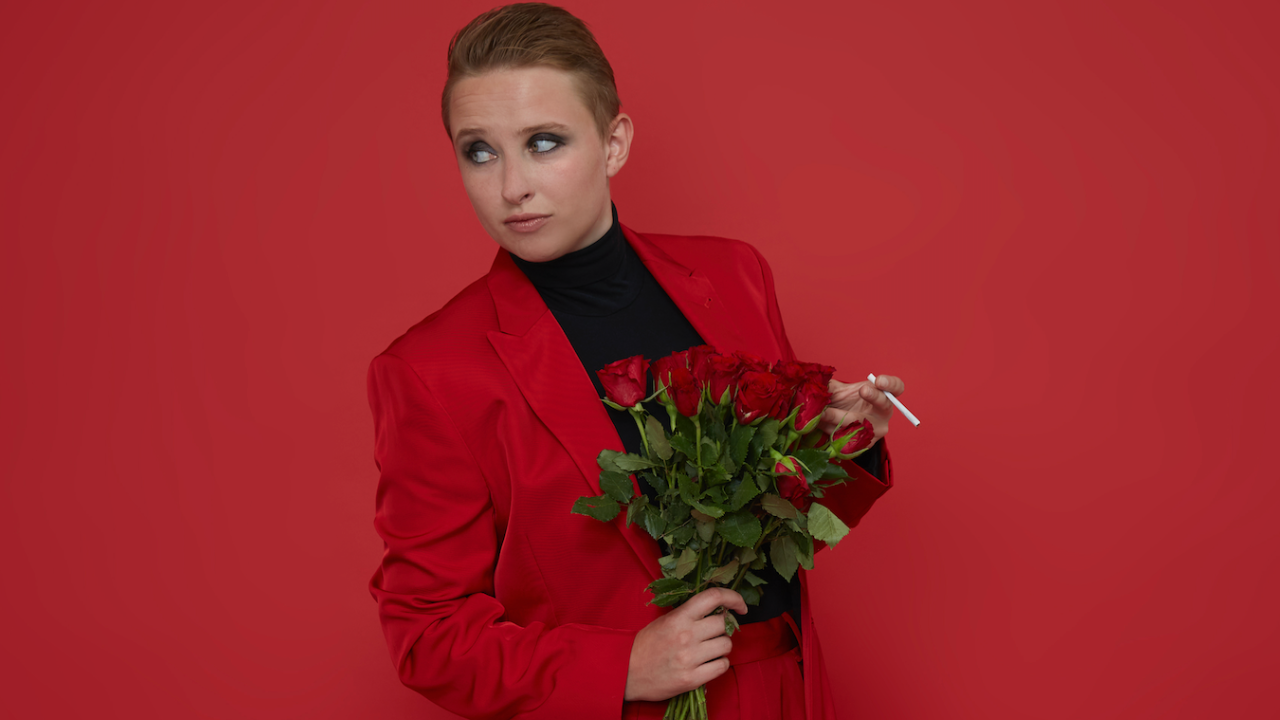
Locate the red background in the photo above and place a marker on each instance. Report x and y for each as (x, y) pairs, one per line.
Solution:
(1057, 222)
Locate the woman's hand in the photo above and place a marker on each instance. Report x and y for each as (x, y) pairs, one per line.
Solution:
(851, 402)
(683, 649)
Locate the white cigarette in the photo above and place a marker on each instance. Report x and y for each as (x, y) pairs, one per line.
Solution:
(894, 400)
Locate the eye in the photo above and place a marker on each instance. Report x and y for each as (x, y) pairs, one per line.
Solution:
(480, 153)
(544, 143)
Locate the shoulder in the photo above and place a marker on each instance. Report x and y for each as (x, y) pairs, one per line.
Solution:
(453, 335)
(726, 262)
(719, 258)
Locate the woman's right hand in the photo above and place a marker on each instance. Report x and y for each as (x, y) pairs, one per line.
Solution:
(683, 649)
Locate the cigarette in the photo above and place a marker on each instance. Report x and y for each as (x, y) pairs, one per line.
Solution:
(896, 403)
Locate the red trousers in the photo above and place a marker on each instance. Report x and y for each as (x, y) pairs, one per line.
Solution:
(764, 680)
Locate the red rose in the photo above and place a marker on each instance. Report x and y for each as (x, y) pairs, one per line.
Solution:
(792, 372)
(761, 394)
(855, 442)
(751, 362)
(662, 366)
(685, 392)
(624, 381)
(792, 484)
(699, 362)
(722, 372)
(819, 372)
(811, 399)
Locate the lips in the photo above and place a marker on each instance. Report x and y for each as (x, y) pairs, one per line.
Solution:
(527, 222)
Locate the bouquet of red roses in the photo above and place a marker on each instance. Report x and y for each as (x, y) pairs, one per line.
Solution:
(738, 479)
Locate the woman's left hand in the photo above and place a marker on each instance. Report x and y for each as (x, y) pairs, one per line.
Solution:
(851, 402)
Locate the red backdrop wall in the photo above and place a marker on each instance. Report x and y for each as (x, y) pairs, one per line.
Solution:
(1058, 223)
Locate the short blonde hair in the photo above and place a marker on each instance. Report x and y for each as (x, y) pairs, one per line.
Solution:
(534, 34)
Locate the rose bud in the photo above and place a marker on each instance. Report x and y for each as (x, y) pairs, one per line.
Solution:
(854, 438)
(699, 362)
(811, 399)
(792, 484)
(624, 381)
(722, 372)
(759, 396)
(662, 368)
(685, 392)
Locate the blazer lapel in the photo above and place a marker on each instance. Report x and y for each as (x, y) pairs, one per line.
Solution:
(544, 365)
(692, 292)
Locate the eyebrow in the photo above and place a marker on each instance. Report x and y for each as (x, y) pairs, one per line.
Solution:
(464, 132)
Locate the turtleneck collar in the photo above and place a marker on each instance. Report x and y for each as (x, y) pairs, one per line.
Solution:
(596, 280)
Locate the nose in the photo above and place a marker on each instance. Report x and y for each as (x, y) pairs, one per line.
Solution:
(516, 188)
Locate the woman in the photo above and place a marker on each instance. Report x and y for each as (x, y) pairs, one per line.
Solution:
(495, 600)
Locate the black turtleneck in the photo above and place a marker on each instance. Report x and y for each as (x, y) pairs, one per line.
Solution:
(611, 307)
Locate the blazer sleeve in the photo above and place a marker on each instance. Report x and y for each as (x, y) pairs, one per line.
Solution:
(435, 588)
(851, 500)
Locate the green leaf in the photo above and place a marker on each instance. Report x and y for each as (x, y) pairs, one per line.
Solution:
(724, 575)
(740, 528)
(744, 493)
(706, 528)
(653, 522)
(715, 475)
(602, 508)
(740, 441)
(726, 465)
(750, 595)
(629, 463)
(804, 550)
(668, 591)
(746, 555)
(712, 427)
(605, 460)
(657, 438)
(767, 433)
(655, 481)
(635, 510)
(814, 461)
(754, 579)
(764, 481)
(687, 562)
(684, 444)
(782, 553)
(825, 526)
(711, 510)
(616, 485)
(622, 462)
(778, 507)
(684, 426)
(681, 535)
(834, 471)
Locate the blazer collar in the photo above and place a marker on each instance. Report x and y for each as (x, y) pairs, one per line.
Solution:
(519, 305)
(550, 376)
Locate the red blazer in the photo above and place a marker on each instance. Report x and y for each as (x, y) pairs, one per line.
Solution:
(495, 600)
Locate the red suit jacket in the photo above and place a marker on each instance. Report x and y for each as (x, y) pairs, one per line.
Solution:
(495, 600)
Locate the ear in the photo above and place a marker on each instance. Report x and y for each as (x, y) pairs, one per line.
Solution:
(617, 144)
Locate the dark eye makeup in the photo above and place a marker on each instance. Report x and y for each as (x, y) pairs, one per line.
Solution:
(480, 153)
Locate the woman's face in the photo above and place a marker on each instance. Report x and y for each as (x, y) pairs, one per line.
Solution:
(532, 160)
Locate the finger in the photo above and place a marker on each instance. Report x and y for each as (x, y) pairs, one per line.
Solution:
(707, 672)
(877, 398)
(704, 602)
(890, 383)
(708, 627)
(711, 649)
